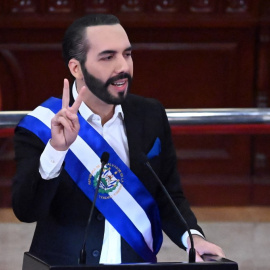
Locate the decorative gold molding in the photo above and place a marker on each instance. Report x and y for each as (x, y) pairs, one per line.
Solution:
(23, 6)
(126, 6)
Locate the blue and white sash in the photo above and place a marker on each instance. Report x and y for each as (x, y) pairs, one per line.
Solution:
(123, 199)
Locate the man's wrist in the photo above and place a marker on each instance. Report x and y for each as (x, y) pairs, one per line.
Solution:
(51, 162)
(185, 236)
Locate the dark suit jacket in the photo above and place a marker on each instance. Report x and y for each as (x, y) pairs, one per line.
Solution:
(60, 208)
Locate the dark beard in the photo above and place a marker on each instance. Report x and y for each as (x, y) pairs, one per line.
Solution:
(100, 89)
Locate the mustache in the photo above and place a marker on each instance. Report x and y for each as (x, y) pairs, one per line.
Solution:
(118, 77)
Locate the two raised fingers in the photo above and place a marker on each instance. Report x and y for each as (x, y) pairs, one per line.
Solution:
(65, 99)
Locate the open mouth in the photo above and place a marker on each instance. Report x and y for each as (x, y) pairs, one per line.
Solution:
(119, 83)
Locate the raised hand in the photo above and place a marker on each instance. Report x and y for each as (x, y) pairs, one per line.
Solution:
(65, 124)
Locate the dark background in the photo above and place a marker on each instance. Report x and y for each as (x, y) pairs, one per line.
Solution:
(187, 54)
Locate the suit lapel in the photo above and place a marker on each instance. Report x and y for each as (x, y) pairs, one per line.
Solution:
(134, 123)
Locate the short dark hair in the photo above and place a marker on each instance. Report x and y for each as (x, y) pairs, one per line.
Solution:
(74, 44)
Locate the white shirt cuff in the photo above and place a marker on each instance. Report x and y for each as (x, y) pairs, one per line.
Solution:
(51, 162)
(186, 235)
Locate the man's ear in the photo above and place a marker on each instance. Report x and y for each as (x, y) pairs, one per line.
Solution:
(75, 68)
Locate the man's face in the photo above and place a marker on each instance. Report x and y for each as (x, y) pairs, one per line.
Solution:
(101, 89)
(108, 68)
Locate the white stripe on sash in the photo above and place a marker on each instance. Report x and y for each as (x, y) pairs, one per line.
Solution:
(135, 213)
(43, 114)
(90, 160)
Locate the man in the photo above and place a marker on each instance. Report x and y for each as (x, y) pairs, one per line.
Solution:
(58, 149)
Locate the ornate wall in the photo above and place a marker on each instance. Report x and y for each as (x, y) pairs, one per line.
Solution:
(187, 54)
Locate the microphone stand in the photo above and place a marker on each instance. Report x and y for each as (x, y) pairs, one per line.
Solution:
(192, 251)
(104, 160)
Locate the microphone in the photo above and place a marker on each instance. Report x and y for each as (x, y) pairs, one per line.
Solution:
(192, 251)
(104, 160)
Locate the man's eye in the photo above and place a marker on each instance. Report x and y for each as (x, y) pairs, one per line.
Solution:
(106, 58)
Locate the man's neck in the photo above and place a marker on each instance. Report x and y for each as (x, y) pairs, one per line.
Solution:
(105, 112)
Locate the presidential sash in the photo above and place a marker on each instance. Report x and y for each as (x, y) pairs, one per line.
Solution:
(123, 199)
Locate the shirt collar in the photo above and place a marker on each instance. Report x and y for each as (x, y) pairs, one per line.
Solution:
(87, 113)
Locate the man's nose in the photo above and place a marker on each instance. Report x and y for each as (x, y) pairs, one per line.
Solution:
(121, 65)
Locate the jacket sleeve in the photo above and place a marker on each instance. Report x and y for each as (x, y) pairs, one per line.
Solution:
(31, 195)
(172, 225)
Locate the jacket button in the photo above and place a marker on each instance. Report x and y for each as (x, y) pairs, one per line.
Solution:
(100, 217)
(95, 253)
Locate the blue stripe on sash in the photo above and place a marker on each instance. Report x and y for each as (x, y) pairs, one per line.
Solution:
(80, 175)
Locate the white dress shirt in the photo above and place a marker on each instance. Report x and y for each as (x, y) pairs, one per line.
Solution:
(114, 133)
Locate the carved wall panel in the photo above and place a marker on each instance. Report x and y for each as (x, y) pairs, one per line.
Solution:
(212, 166)
(261, 144)
(37, 72)
(10, 79)
(206, 84)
